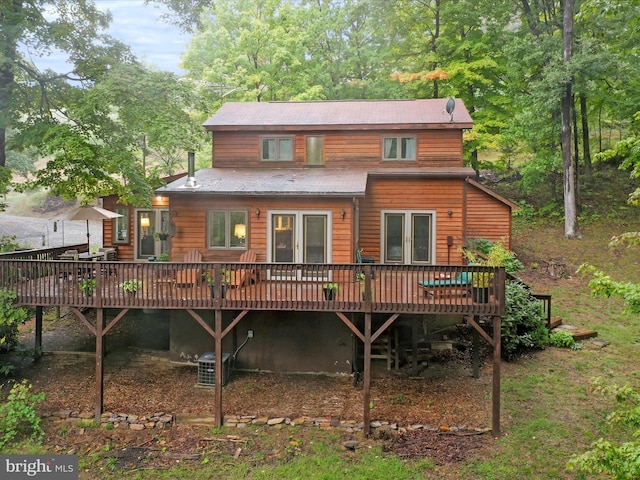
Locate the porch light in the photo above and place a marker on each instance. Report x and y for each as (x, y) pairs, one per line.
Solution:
(450, 212)
(240, 230)
(258, 212)
(342, 213)
(145, 222)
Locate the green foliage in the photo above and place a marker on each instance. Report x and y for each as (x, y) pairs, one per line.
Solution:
(523, 325)
(10, 319)
(603, 285)
(481, 251)
(18, 418)
(131, 286)
(330, 286)
(562, 339)
(87, 286)
(608, 457)
(8, 243)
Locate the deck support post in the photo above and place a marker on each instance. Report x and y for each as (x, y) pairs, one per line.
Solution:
(367, 373)
(495, 415)
(99, 364)
(218, 386)
(37, 348)
(475, 354)
(414, 344)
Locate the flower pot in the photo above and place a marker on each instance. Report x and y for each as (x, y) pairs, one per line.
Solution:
(213, 290)
(480, 294)
(329, 293)
(163, 236)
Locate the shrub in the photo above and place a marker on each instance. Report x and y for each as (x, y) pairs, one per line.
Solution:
(523, 326)
(563, 339)
(10, 319)
(18, 417)
(485, 252)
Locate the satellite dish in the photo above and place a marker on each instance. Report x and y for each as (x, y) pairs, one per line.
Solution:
(451, 106)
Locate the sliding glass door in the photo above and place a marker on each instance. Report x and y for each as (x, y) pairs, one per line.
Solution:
(408, 237)
(298, 237)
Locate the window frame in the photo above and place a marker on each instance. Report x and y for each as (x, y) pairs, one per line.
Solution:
(277, 139)
(228, 212)
(399, 139)
(319, 139)
(124, 221)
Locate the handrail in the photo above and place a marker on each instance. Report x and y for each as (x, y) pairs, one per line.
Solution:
(51, 253)
(374, 288)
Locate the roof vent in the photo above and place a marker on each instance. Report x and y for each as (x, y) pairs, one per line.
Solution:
(191, 171)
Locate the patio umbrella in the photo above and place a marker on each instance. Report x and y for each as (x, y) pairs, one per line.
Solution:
(88, 212)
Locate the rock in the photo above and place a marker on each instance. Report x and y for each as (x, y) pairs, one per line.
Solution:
(275, 421)
(136, 426)
(351, 444)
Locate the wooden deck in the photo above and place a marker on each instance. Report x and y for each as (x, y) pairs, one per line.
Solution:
(388, 289)
(289, 287)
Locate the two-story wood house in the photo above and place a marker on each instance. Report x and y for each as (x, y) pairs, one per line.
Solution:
(310, 183)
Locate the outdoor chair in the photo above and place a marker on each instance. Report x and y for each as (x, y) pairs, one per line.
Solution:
(244, 276)
(68, 256)
(188, 277)
(110, 255)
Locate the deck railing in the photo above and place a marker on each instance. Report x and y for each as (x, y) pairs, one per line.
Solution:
(256, 286)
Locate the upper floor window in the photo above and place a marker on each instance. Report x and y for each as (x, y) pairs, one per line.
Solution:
(315, 148)
(277, 148)
(399, 148)
(227, 229)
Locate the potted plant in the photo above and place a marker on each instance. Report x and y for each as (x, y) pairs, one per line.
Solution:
(329, 290)
(493, 255)
(87, 286)
(225, 275)
(160, 235)
(163, 257)
(131, 287)
(360, 278)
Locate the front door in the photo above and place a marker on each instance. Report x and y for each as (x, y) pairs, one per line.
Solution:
(408, 237)
(299, 237)
(151, 229)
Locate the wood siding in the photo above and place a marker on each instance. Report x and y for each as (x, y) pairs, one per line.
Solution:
(435, 148)
(414, 194)
(126, 251)
(189, 214)
(487, 217)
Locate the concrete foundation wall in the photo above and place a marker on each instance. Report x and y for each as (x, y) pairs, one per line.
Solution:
(283, 341)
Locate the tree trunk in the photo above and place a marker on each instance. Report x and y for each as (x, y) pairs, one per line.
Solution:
(586, 147)
(570, 208)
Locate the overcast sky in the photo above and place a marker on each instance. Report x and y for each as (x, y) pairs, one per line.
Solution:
(153, 41)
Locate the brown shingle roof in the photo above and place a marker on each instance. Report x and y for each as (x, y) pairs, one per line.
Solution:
(344, 115)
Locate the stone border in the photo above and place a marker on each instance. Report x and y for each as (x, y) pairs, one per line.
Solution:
(158, 420)
(161, 420)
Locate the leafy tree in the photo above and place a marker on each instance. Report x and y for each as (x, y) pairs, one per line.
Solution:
(96, 124)
(39, 27)
(265, 50)
(605, 456)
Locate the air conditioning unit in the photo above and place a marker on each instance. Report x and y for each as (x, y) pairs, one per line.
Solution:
(207, 369)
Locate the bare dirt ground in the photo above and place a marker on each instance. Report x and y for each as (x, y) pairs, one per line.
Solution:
(141, 381)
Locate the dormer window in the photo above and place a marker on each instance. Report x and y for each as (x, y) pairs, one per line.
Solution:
(277, 149)
(399, 148)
